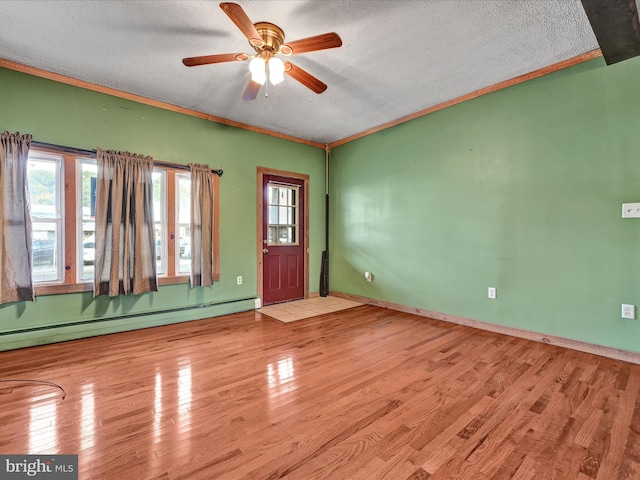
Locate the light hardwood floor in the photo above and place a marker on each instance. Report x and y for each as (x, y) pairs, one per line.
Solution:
(365, 393)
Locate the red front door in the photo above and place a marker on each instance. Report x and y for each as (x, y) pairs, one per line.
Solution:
(283, 239)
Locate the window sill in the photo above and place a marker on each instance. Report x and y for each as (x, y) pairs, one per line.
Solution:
(173, 280)
(53, 289)
(56, 289)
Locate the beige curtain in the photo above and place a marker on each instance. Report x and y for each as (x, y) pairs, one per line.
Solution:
(125, 260)
(202, 221)
(16, 280)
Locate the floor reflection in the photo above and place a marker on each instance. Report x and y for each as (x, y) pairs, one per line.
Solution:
(281, 377)
(280, 373)
(43, 436)
(184, 397)
(87, 417)
(157, 409)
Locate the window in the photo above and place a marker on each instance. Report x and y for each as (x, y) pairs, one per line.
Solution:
(45, 186)
(159, 178)
(184, 221)
(88, 172)
(283, 214)
(62, 191)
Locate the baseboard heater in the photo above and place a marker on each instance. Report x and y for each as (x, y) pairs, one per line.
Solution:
(128, 315)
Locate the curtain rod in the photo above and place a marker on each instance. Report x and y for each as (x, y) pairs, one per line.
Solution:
(92, 154)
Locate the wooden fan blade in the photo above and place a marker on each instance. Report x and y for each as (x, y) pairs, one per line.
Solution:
(242, 21)
(251, 92)
(304, 77)
(311, 44)
(207, 59)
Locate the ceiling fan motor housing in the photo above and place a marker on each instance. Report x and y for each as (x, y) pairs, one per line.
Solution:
(272, 38)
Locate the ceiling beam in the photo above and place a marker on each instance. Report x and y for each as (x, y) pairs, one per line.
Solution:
(616, 26)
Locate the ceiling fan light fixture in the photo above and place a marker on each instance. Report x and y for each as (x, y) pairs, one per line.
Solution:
(258, 70)
(267, 39)
(276, 71)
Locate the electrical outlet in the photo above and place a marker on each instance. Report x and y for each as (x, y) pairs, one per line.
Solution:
(631, 210)
(492, 293)
(239, 280)
(628, 311)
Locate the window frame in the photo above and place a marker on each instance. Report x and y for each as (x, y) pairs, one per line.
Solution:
(72, 225)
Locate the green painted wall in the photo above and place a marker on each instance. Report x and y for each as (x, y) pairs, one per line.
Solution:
(66, 115)
(520, 189)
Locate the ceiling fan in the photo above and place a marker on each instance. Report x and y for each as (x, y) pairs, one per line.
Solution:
(267, 40)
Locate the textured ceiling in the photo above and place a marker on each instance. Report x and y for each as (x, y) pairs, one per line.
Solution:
(398, 57)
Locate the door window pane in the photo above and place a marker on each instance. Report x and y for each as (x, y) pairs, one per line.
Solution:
(283, 215)
(273, 214)
(285, 234)
(273, 195)
(273, 233)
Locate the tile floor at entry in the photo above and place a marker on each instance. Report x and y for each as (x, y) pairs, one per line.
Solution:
(307, 308)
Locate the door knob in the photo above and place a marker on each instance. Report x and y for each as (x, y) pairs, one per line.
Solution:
(265, 250)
